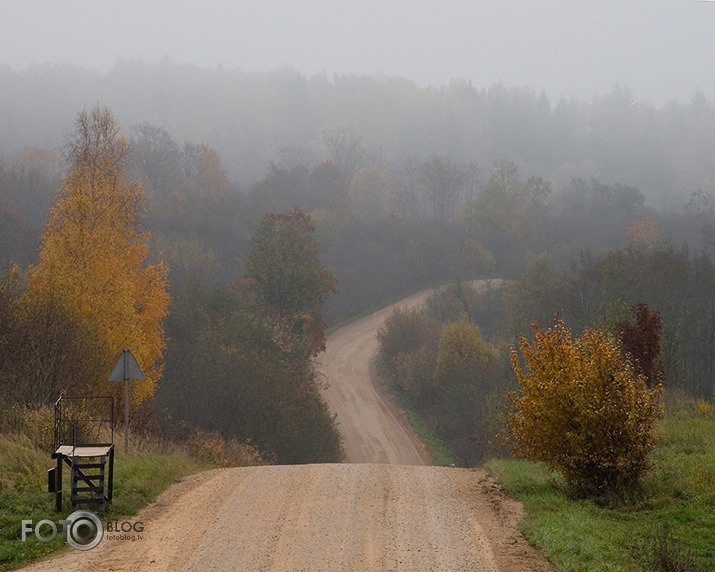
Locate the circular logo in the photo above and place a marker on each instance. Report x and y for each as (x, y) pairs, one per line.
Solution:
(85, 530)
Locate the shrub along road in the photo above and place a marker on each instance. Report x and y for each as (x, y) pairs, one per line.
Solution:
(385, 509)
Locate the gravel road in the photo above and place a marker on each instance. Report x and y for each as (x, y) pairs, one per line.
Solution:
(374, 430)
(386, 509)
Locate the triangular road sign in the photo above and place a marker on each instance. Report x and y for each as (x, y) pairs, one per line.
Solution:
(126, 368)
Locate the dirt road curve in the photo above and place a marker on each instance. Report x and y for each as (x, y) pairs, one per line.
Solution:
(348, 517)
(373, 429)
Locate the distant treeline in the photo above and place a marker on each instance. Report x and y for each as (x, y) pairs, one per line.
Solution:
(254, 118)
(385, 227)
(406, 187)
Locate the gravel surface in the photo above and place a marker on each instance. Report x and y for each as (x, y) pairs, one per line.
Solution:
(385, 509)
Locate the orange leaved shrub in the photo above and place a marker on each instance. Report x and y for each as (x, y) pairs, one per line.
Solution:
(581, 410)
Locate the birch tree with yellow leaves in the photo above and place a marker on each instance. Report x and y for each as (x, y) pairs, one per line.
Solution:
(94, 250)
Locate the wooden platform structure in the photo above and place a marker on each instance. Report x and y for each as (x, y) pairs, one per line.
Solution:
(91, 464)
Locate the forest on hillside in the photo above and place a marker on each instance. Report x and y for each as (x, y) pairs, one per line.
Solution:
(252, 119)
(585, 208)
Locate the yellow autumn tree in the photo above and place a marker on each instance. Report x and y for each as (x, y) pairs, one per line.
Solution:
(463, 353)
(94, 249)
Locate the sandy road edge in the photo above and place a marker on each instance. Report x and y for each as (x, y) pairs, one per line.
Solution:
(384, 395)
(511, 549)
(108, 553)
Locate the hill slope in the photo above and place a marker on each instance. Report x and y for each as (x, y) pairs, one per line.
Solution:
(378, 512)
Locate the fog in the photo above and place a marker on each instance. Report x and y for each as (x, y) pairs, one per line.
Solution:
(561, 146)
(660, 49)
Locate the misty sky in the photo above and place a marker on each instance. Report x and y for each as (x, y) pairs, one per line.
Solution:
(661, 49)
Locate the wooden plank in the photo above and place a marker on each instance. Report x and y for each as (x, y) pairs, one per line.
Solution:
(89, 465)
(83, 450)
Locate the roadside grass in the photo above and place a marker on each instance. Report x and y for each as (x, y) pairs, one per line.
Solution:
(667, 525)
(139, 477)
(437, 447)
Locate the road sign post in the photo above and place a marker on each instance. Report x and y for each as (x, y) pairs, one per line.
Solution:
(126, 368)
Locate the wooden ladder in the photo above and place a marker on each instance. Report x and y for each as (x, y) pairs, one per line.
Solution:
(92, 484)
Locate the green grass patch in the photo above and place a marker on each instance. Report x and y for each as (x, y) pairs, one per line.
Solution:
(139, 477)
(668, 524)
(437, 447)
